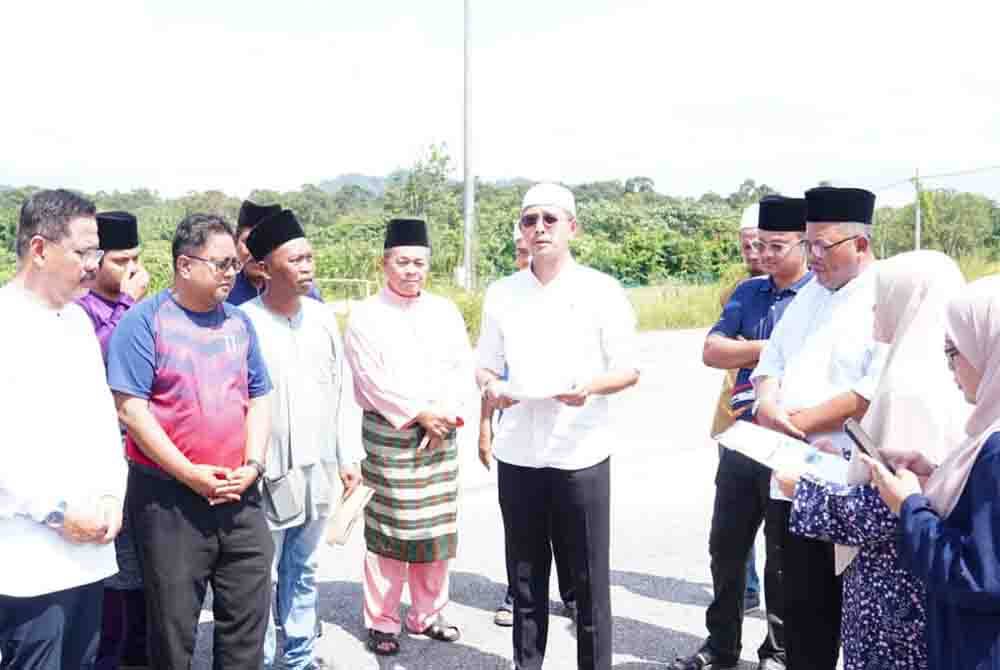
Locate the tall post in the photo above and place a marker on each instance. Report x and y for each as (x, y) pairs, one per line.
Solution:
(916, 223)
(470, 186)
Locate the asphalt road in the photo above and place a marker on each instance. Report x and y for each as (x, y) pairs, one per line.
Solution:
(662, 471)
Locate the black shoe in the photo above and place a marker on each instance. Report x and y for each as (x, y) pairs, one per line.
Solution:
(751, 602)
(770, 664)
(705, 659)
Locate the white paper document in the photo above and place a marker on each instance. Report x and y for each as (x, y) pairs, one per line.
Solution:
(781, 452)
(521, 394)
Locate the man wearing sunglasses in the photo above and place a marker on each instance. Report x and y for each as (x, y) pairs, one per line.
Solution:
(193, 394)
(566, 333)
(819, 368)
(62, 477)
(741, 495)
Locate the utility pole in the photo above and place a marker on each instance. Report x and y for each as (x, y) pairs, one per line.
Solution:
(916, 225)
(470, 180)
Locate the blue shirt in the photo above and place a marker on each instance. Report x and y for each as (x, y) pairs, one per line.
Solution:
(243, 291)
(956, 559)
(752, 312)
(198, 371)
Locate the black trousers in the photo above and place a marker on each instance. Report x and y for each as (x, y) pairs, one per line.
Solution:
(52, 631)
(571, 508)
(742, 503)
(564, 576)
(184, 544)
(813, 600)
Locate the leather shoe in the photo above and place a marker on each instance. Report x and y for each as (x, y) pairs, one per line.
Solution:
(705, 659)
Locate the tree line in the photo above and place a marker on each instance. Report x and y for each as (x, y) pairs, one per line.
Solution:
(630, 230)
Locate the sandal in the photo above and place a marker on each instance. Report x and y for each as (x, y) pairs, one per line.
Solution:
(503, 617)
(440, 630)
(382, 644)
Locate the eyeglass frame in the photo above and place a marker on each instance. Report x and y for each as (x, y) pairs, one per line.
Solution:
(83, 255)
(759, 245)
(950, 351)
(812, 246)
(231, 262)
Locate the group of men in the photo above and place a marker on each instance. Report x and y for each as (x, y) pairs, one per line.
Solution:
(237, 422)
(800, 338)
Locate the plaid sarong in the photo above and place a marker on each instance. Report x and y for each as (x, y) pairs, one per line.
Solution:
(413, 516)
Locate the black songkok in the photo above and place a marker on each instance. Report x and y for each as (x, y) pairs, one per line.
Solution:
(826, 204)
(406, 233)
(272, 232)
(782, 215)
(251, 213)
(117, 230)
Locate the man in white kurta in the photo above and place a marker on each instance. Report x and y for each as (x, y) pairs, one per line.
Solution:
(62, 476)
(413, 377)
(819, 368)
(315, 426)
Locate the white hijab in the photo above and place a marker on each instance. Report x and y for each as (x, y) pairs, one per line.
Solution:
(915, 404)
(973, 322)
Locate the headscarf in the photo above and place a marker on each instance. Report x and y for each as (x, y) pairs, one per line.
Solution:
(973, 323)
(915, 403)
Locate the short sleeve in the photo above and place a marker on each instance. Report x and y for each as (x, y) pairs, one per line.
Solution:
(132, 352)
(730, 321)
(258, 379)
(490, 348)
(876, 355)
(618, 330)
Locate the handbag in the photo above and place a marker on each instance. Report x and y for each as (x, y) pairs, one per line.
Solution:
(283, 497)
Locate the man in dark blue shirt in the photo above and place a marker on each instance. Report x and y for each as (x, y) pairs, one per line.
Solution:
(742, 485)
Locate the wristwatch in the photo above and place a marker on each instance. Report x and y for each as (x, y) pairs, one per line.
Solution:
(57, 517)
(256, 465)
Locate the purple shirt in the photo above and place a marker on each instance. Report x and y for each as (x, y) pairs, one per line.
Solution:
(105, 315)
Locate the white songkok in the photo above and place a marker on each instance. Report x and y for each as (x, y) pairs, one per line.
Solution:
(551, 195)
(518, 235)
(750, 216)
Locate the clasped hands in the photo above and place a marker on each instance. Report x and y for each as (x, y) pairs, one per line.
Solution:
(218, 484)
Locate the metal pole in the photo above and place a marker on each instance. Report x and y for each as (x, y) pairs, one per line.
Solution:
(470, 186)
(916, 226)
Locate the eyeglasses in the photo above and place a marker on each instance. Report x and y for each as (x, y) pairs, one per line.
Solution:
(950, 351)
(221, 267)
(819, 250)
(86, 256)
(532, 220)
(777, 249)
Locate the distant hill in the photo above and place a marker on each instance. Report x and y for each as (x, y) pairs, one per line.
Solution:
(375, 185)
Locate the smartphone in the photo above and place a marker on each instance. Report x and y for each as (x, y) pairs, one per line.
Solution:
(865, 444)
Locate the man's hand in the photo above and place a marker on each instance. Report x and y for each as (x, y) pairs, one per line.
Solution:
(576, 397)
(893, 488)
(205, 480)
(485, 449)
(235, 483)
(85, 526)
(787, 481)
(772, 416)
(350, 477)
(111, 509)
(136, 285)
(436, 424)
(494, 394)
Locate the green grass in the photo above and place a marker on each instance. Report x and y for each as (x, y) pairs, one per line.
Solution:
(675, 306)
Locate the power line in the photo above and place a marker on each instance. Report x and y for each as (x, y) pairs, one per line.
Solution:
(942, 175)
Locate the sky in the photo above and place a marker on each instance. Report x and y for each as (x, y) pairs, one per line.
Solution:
(179, 95)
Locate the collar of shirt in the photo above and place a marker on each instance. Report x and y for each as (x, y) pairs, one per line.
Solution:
(399, 300)
(770, 287)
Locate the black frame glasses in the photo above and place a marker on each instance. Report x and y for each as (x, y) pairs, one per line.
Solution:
(221, 267)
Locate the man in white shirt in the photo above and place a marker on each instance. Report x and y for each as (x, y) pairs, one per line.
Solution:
(62, 476)
(819, 368)
(566, 333)
(315, 435)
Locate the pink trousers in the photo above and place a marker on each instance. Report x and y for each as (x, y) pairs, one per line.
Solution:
(384, 580)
